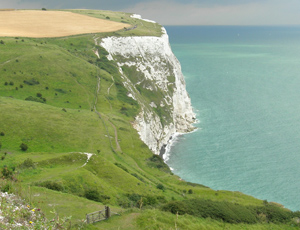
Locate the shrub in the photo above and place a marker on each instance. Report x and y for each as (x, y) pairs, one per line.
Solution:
(92, 194)
(31, 81)
(229, 212)
(39, 95)
(157, 162)
(122, 167)
(36, 99)
(190, 191)
(161, 187)
(2, 42)
(21, 86)
(11, 83)
(6, 83)
(28, 163)
(6, 173)
(23, 147)
(2, 134)
(53, 185)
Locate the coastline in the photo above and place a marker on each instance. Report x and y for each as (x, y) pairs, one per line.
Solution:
(173, 140)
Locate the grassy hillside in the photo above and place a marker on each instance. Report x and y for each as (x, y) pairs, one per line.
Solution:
(61, 101)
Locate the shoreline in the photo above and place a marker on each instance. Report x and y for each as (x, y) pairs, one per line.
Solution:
(172, 141)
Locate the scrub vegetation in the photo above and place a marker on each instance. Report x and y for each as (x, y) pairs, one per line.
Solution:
(59, 102)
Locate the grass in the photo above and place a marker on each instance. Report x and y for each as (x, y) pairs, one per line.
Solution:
(65, 71)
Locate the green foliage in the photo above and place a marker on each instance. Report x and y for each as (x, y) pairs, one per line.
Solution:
(6, 173)
(36, 99)
(53, 185)
(23, 147)
(2, 134)
(93, 194)
(31, 81)
(161, 187)
(157, 162)
(28, 163)
(230, 212)
(122, 167)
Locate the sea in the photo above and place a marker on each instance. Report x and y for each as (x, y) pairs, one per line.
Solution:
(244, 84)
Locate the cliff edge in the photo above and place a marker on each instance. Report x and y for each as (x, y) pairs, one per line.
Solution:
(152, 75)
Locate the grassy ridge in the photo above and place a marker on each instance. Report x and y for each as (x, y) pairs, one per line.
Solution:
(122, 171)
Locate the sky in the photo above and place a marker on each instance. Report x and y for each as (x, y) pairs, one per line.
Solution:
(184, 12)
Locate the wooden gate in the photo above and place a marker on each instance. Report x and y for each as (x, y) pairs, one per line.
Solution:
(98, 216)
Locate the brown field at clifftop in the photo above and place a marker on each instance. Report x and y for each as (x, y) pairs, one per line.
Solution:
(38, 24)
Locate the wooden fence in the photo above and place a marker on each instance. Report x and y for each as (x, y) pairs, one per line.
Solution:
(98, 216)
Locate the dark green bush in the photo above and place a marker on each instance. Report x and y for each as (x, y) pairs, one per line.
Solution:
(53, 185)
(92, 194)
(230, 212)
(138, 177)
(2, 134)
(36, 99)
(28, 163)
(161, 187)
(7, 188)
(157, 162)
(225, 211)
(31, 81)
(23, 146)
(6, 173)
(122, 167)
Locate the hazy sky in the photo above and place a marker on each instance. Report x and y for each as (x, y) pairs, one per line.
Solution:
(184, 12)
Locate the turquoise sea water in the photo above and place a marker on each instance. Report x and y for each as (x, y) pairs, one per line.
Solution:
(244, 83)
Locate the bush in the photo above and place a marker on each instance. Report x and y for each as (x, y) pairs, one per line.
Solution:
(6, 173)
(28, 163)
(23, 147)
(11, 83)
(39, 95)
(31, 81)
(2, 134)
(157, 162)
(53, 185)
(36, 99)
(122, 167)
(161, 187)
(92, 194)
(190, 191)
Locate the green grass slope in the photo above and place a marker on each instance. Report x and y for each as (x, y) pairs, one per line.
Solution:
(60, 100)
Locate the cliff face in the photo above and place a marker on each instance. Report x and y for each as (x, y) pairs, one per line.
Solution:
(152, 75)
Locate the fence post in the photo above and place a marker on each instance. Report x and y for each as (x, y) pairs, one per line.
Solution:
(87, 219)
(107, 212)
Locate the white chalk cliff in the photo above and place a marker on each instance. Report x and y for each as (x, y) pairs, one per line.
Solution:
(152, 75)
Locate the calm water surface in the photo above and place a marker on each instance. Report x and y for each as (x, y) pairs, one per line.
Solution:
(244, 83)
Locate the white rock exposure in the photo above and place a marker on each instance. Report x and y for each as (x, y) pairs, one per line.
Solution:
(154, 60)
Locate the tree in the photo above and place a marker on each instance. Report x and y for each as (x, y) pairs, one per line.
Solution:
(23, 147)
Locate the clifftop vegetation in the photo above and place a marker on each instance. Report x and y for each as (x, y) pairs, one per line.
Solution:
(59, 101)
